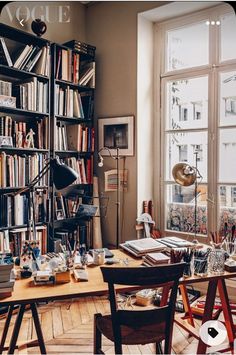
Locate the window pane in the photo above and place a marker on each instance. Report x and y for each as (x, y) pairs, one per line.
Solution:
(181, 147)
(187, 47)
(227, 202)
(228, 43)
(180, 208)
(187, 103)
(227, 151)
(228, 98)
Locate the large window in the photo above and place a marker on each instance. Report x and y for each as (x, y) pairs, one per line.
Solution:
(198, 120)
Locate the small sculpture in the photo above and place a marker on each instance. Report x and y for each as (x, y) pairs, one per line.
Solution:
(38, 27)
(19, 139)
(29, 139)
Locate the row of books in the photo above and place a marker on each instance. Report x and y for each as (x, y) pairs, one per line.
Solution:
(83, 167)
(68, 65)
(12, 240)
(28, 58)
(82, 47)
(66, 207)
(68, 102)
(5, 88)
(18, 131)
(32, 95)
(18, 171)
(78, 138)
(82, 237)
(14, 210)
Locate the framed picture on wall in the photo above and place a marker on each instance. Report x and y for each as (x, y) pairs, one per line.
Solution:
(116, 132)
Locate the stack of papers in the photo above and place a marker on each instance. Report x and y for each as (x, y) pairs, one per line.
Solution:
(140, 247)
(154, 259)
(176, 242)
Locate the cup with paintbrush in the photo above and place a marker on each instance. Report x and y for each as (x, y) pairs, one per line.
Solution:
(216, 258)
(230, 244)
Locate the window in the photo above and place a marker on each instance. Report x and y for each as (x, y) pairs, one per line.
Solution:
(198, 119)
(183, 152)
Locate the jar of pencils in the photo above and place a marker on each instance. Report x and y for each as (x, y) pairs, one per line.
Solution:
(216, 259)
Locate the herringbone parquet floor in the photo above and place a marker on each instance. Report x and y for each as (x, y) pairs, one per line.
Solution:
(68, 329)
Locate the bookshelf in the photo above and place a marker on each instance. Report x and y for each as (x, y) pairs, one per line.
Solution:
(73, 136)
(25, 77)
(52, 88)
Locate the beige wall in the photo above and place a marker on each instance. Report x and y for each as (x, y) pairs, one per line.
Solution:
(112, 28)
(58, 29)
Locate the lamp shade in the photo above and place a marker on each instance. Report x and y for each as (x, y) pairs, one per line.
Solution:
(184, 174)
(63, 175)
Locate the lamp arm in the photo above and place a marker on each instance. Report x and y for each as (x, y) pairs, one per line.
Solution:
(109, 151)
(35, 180)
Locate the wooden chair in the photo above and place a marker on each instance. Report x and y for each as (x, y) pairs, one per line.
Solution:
(138, 326)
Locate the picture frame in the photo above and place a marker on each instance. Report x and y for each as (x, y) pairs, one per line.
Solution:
(116, 132)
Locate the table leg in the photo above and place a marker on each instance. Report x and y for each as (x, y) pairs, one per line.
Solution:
(16, 330)
(186, 304)
(6, 327)
(226, 310)
(209, 305)
(38, 328)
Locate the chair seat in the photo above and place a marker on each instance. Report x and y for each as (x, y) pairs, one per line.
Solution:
(140, 335)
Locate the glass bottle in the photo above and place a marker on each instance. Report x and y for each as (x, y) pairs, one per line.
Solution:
(216, 259)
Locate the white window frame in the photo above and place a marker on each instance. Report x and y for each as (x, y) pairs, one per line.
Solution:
(160, 79)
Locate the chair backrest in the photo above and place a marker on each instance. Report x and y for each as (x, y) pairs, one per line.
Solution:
(145, 277)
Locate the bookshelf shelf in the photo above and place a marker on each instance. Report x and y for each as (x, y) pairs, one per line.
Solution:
(12, 150)
(73, 85)
(18, 112)
(20, 74)
(22, 226)
(73, 153)
(21, 36)
(74, 120)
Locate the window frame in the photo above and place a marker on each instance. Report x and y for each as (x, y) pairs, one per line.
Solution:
(161, 77)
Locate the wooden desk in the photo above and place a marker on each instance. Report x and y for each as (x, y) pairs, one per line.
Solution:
(26, 293)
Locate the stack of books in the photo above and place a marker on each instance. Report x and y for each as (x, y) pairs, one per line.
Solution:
(140, 247)
(82, 47)
(154, 259)
(6, 283)
(68, 102)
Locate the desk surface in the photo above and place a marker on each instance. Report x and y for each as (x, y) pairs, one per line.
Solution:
(25, 291)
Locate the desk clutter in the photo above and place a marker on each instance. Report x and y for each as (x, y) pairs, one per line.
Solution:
(200, 259)
(55, 268)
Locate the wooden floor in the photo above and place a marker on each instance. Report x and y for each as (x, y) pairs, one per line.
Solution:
(68, 329)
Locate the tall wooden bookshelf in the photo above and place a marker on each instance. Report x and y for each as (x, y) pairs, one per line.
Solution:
(67, 85)
(20, 162)
(72, 136)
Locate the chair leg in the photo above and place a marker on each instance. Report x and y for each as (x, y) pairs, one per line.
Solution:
(159, 348)
(97, 336)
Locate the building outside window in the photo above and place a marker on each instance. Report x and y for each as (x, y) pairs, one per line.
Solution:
(198, 85)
